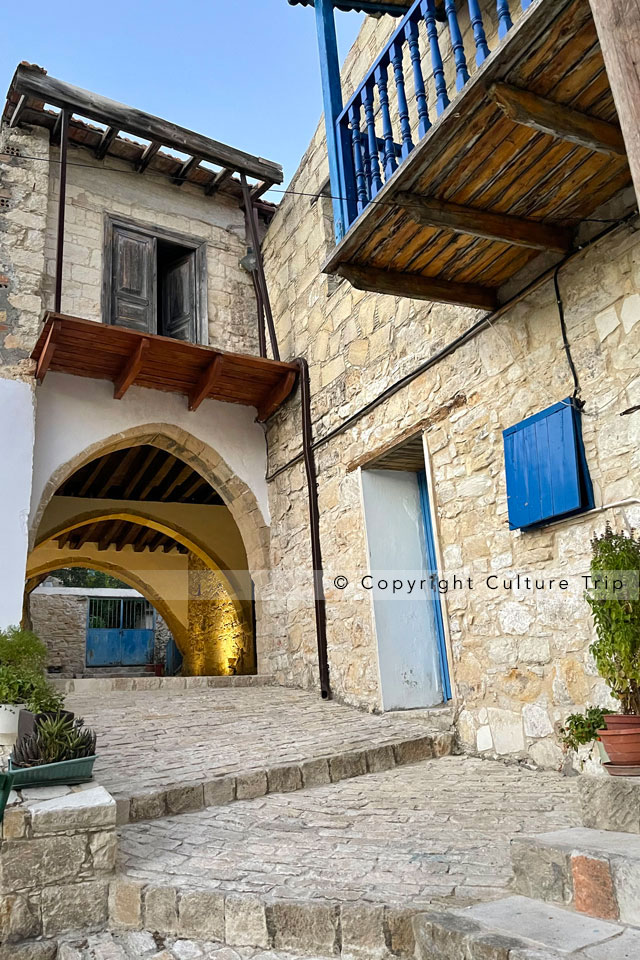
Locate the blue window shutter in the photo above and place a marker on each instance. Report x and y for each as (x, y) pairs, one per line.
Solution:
(545, 466)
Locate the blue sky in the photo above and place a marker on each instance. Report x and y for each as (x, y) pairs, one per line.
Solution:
(241, 71)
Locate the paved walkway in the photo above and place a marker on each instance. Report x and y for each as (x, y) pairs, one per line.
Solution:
(143, 945)
(149, 740)
(437, 831)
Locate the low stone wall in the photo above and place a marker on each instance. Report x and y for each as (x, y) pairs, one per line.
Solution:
(57, 857)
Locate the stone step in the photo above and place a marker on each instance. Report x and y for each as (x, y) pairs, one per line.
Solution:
(109, 684)
(147, 945)
(596, 872)
(519, 928)
(610, 803)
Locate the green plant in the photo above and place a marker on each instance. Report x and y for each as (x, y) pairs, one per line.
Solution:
(615, 605)
(43, 698)
(21, 648)
(10, 686)
(56, 739)
(582, 728)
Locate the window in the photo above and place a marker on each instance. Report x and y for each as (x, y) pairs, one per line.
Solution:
(155, 282)
(545, 465)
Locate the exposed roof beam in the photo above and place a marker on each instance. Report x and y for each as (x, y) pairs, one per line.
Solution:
(145, 125)
(107, 139)
(18, 110)
(85, 535)
(156, 478)
(219, 178)
(111, 534)
(184, 171)
(540, 114)
(149, 153)
(483, 223)
(148, 458)
(206, 382)
(130, 370)
(419, 288)
(178, 480)
(129, 537)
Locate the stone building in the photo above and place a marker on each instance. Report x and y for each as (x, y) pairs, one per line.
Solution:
(459, 259)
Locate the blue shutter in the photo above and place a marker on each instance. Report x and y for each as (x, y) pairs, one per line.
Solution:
(546, 470)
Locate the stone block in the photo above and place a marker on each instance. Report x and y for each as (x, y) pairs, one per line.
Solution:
(412, 751)
(380, 758)
(103, 847)
(541, 872)
(29, 864)
(284, 779)
(125, 904)
(14, 824)
(610, 803)
(77, 906)
(251, 785)
(87, 810)
(624, 947)
(363, 934)
(161, 909)
(150, 805)
(123, 805)
(201, 915)
(626, 883)
(346, 765)
(34, 950)
(185, 798)
(593, 892)
(19, 918)
(315, 773)
(219, 792)
(306, 926)
(245, 923)
(399, 931)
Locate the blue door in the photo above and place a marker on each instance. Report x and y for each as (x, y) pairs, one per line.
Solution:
(120, 632)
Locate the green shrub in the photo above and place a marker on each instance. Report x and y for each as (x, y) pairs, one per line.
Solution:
(21, 648)
(582, 728)
(22, 678)
(616, 615)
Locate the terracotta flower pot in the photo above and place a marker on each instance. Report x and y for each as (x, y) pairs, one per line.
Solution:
(615, 721)
(622, 744)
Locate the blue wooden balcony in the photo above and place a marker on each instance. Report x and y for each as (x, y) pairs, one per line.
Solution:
(484, 133)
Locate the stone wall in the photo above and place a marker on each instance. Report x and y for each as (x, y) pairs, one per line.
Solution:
(519, 661)
(57, 856)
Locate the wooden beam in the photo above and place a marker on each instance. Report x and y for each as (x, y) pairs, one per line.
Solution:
(44, 361)
(85, 535)
(18, 110)
(484, 223)
(149, 153)
(418, 288)
(129, 537)
(101, 109)
(105, 142)
(178, 480)
(111, 534)
(259, 189)
(206, 382)
(277, 396)
(130, 370)
(218, 179)
(541, 114)
(619, 34)
(184, 171)
(149, 457)
(156, 478)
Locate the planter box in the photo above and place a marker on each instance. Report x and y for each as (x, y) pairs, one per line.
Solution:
(27, 720)
(67, 772)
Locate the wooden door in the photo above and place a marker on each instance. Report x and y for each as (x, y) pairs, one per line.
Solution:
(133, 280)
(179, 300)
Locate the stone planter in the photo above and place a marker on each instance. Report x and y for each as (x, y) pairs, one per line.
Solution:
(9, 714)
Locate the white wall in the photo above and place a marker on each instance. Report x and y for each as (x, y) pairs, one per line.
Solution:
(404, 621)
(75, 413)
(16, 441)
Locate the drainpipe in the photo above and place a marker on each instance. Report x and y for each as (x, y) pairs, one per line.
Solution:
(314, 529)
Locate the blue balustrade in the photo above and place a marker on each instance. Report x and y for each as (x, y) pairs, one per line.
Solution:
(389, 113)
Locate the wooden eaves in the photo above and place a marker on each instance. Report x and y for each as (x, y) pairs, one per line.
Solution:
(126, 357)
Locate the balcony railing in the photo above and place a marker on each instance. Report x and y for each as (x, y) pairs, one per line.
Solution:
(422, 68)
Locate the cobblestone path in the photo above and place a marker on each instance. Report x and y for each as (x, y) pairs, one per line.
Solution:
(431, 832)
(148, 740)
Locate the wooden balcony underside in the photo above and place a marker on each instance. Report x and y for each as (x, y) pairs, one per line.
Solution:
(475, 156)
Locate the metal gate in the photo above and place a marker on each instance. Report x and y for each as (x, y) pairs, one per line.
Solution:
(120, 632)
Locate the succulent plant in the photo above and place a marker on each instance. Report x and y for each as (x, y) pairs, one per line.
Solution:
(56, 738)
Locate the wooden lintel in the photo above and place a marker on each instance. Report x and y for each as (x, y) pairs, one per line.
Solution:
(485, 223)
(44, 361)
(559, 121)
(130, 370)
(18, 110)
(105, 142)
(149, 153)
(184, 171)
(214, 185)
(412, 285)
(207, 380)
(279, 393)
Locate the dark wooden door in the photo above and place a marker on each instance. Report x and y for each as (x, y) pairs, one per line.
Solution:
(179, 300)
(133, 286)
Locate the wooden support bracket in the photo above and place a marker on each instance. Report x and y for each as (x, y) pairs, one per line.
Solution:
(277, 396)
(130, 370)
(18, 110)
(540, 114)
(260, 188)
(215, 184)
(105, 142)
(206, 382)
(48, 350)
(147, 156)
(484, 223)
(184, 171)
(412, 285)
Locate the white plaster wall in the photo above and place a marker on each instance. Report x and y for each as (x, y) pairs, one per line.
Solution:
(16, 441)
(75, 413)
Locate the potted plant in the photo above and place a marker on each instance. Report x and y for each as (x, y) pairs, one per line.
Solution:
(61, 750)
(615, 604)
(43, 701)
(23, 683)
(11, 704)
(580, 730)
